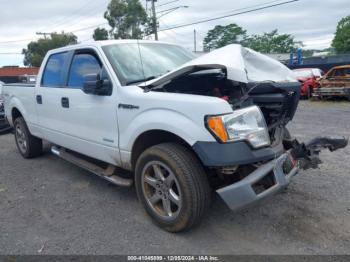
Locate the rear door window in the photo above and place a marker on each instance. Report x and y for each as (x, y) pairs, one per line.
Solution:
(52, 76)
(82, 64)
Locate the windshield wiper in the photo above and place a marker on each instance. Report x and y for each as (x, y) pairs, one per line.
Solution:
(140, 80)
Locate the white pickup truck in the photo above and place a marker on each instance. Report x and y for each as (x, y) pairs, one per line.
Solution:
(182, 126)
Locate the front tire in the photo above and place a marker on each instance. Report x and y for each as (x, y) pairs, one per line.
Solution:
(309, 92)
(28, 145)
(172, 186)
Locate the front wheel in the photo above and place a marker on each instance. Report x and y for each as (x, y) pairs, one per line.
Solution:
(172, 186)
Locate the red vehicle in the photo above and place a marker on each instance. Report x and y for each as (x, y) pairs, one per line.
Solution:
(308, 77)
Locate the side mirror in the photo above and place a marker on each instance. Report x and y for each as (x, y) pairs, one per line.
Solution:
(93, 84)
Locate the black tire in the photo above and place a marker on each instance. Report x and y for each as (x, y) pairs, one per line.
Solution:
(33, 145)
(194, 190)
(309, 92)
(286, 134)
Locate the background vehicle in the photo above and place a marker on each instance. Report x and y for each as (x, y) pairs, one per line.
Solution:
(4, 126)
(29, 79)
(336, 83)
(182, 126)
(308, 77)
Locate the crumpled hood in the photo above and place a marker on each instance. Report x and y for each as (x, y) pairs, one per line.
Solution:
(242, 65)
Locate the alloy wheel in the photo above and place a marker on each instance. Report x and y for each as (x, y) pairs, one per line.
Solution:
(161, 190)
(21, 139)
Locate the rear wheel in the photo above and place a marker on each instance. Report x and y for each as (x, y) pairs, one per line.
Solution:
(28, 145)
(172, 186)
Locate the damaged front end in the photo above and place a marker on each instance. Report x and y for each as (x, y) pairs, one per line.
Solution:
(241, 172)
(274, 175)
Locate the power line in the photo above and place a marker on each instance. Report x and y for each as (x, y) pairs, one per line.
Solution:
(16, 41)
(63, 20)
(167, 3)
(248, 7)
(169, 28)
(73, 31)
(87, 28)
(90, 11)
(225, 16)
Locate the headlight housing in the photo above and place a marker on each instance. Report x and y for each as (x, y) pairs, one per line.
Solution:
(244, 124)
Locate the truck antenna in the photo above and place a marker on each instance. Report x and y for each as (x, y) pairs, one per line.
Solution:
(143, 71)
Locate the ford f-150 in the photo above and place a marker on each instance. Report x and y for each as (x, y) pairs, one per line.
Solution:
(181, 126)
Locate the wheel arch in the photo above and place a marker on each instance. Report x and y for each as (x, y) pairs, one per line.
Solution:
(15, 113)
(15, 109)
(154, 137)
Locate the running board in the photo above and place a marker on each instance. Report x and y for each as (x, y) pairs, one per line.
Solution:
(107, 174)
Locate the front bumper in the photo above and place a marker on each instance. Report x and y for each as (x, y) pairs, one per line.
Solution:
(243, 193)
(213, 154)
(2, 119)
(4, 125)
(333, 91)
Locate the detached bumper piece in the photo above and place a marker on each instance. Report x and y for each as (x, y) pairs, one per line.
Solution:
(266, 180)
(307, 154)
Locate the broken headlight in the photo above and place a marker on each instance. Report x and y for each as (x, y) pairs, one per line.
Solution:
(244, 124)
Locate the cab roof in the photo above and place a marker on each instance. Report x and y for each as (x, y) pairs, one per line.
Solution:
(104, 43)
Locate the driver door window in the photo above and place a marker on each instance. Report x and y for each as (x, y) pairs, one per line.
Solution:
(82, 64)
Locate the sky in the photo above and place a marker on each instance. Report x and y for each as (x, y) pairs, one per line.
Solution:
(311, 21)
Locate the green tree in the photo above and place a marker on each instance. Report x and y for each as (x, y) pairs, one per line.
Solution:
(221, 36)
(127, 19)
(341, 41)
(271, 42)
(100, 34)
(36, 50)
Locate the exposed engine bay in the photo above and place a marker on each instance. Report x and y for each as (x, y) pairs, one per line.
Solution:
(277, 101)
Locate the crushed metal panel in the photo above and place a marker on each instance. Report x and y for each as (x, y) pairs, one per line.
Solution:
(241, 65)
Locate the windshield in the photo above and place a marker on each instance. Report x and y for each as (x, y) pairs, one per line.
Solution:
(303, 73)
(133, 63)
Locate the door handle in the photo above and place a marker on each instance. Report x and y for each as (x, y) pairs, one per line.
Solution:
(39, 99)
(65, 102)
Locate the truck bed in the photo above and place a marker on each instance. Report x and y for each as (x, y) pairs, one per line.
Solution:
(20, 84)
(24, 95)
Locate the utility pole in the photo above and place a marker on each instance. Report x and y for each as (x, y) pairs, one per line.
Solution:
(154, 18)
(195, 40)
(44, 34)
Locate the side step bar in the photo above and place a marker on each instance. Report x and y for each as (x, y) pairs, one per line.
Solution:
(107, 174)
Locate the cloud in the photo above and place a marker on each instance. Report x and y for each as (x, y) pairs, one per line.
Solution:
(311, 21)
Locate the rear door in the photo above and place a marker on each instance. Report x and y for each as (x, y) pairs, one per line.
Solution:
(47, 95)
(82, 122)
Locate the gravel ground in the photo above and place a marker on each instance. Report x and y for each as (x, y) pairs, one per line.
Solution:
(48, 206)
